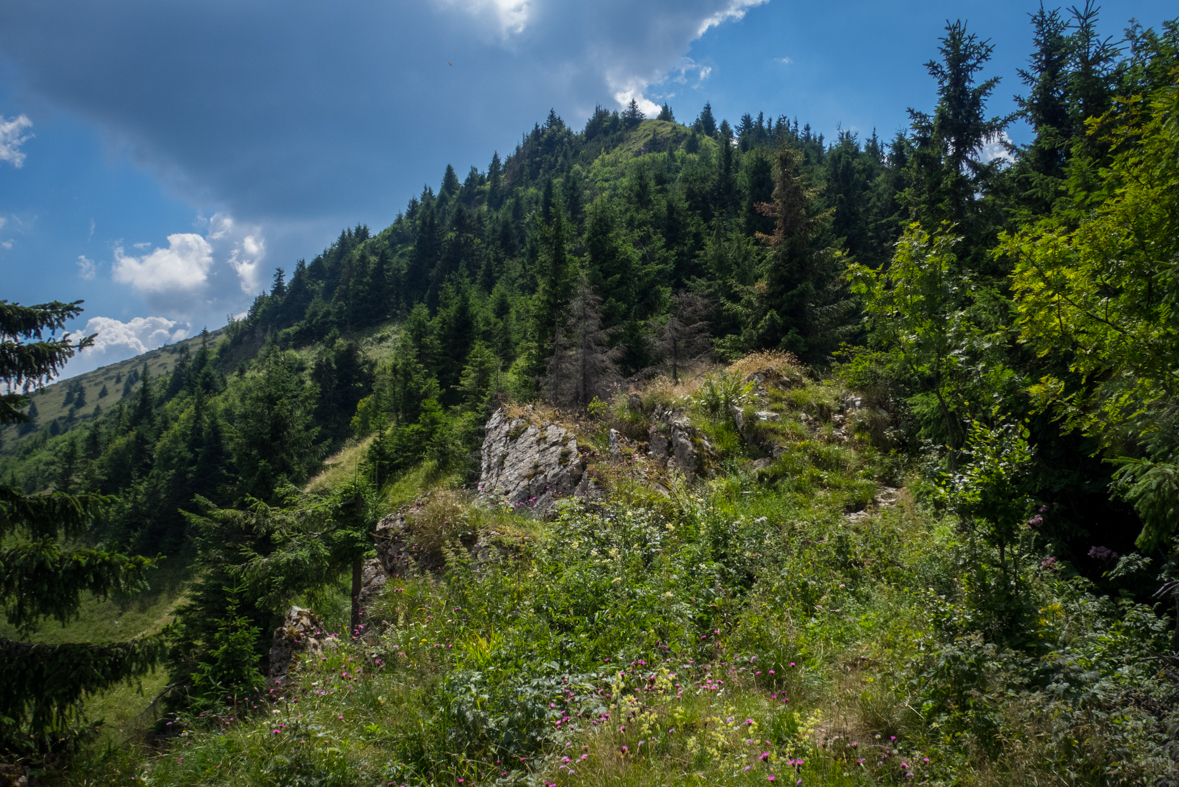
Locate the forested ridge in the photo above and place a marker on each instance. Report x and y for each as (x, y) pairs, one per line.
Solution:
(1009, 320)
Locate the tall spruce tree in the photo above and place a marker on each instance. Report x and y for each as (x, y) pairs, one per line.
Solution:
(42, 686)
(949, 177)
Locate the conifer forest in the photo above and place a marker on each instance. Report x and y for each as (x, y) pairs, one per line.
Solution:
(663, 451)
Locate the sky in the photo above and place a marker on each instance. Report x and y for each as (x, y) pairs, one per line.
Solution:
(160, 159)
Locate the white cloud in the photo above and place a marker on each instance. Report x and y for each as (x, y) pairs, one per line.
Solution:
(197, 274)
(85, 268)
(784, 60)
(183, 266)
(117, 341)
(999, 148)
(11, 139)
(510, 16)
(626, 82)
(219, 226)
(242, 246)
(624, 96)
(687, 67)
(734, 11)
(6, 244)
(246, 260)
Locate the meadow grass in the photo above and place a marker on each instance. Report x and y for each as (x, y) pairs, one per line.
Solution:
(740, 630)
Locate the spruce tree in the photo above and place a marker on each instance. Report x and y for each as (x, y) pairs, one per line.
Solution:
(797, 304)
(42, 686)
(632, 115)
(706, 123)
(948, 175)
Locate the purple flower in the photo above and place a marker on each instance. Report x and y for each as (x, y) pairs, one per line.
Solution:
(1102, 553)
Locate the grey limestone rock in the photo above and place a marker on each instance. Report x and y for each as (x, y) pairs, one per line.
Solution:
(392, 547)
(677, 443)
(525, 464)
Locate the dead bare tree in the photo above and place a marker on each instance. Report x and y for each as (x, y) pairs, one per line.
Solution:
(583, 365)
(685, 334)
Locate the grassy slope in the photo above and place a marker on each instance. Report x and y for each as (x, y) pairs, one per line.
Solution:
(50, 400)
(740, 631)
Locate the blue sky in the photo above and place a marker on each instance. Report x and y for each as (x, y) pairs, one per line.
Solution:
(159, 159)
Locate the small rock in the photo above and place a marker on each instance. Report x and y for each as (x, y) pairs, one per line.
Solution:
(372, 579)
(658, 446)
(301, 632)
(634, 403)
(392, 549)
(684, 456)
(768, 415)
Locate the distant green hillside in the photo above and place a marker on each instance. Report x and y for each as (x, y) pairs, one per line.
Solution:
(56, 402)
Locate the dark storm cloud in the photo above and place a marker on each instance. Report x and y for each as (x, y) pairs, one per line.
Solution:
(289, 111)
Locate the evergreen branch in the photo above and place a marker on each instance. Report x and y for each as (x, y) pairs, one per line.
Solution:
(42, 685)
(38, 580)
(42, 516)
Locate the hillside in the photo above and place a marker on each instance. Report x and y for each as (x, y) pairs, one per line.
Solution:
(656, 453)
(57, 411)
(788, 616)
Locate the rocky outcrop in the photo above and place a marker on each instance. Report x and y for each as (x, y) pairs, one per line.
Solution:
(300, 632)
(531, 465)
(677, 445)
(886, 497)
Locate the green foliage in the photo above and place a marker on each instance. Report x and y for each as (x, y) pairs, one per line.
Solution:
(990, 491)
(274, 436)
(1153, 489)
(232, 666)
(931, 329)
(43, 685)
(784, 572)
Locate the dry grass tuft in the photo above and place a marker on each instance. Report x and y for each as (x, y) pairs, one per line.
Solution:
(444, 517)
(766, 359)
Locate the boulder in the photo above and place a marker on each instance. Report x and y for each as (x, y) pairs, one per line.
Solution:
(684, 456)
(301, 632)
(531, 465)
